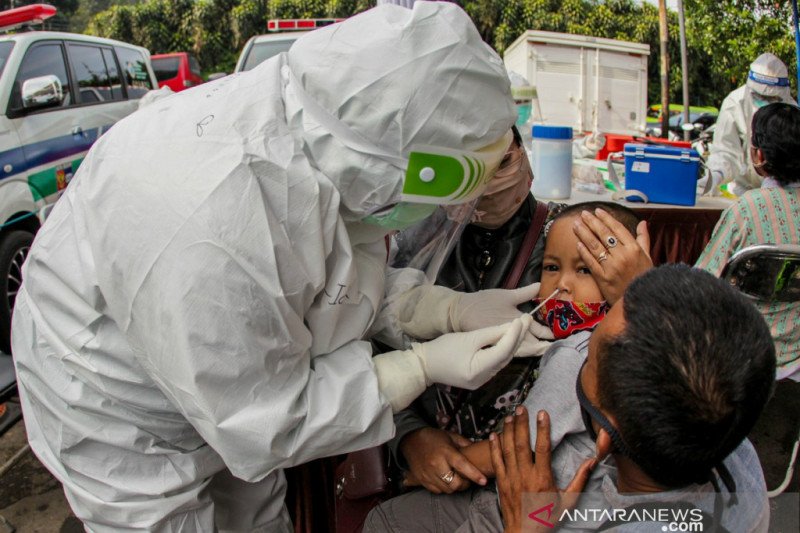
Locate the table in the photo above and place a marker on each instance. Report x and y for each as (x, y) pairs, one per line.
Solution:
(678, 233)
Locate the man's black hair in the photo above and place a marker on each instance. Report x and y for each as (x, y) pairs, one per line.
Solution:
(690, 374)
(776, 132)
(627, 217)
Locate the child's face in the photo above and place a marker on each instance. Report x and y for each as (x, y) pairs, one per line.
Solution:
(563, 267)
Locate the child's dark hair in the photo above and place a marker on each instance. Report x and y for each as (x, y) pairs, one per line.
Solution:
(627, 217)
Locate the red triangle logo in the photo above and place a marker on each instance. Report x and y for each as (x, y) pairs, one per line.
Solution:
(547, 508)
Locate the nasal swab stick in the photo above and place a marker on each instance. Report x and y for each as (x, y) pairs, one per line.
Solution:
(545, 301)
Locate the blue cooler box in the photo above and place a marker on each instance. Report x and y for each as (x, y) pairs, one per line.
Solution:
(665, 174)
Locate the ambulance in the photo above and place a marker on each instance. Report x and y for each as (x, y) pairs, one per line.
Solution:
(282, 34)
(59, 92)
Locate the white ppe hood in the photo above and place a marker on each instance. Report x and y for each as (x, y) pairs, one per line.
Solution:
(424, 78)
(769, 76)
(196, 302)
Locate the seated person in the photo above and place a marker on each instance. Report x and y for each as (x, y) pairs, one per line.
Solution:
(578, 306)
(769, 215)
(484, 257)
(662, 404)
(670, 393)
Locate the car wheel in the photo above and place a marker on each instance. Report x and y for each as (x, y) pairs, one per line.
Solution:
(14, 248)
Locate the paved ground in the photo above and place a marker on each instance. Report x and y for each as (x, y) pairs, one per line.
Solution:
(32, 501)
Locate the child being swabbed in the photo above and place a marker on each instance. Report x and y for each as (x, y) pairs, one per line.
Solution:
(572, 312)
(578, 305)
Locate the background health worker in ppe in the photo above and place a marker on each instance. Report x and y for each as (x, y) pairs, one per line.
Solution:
(730, 160)
(193, 311)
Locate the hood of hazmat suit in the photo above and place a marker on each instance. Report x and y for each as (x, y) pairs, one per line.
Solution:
(193, 311)
(767, 81)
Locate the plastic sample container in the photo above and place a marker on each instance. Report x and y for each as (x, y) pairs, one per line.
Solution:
(551, 160)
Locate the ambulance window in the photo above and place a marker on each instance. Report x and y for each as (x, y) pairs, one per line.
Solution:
(91, 74)
(262, 51)
(41, 60)
(5, 51)
(113, 74)
(134, 70)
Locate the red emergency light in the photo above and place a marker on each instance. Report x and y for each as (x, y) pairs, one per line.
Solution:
(299, 24)
(20, 16)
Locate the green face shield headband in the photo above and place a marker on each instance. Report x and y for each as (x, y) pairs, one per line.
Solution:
(440, 177)
(446, 177)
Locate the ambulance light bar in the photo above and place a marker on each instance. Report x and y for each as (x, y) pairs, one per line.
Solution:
(21, 16)
(299, 24)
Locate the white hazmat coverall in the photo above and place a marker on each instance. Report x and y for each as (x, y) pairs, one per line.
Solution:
(730, 152)
(193, 310)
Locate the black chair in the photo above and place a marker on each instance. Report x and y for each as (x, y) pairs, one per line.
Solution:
(771, 273)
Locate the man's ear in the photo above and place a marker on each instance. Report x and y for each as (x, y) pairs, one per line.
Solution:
(603, 445)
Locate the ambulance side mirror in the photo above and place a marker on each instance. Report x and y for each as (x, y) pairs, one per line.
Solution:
(44, 91)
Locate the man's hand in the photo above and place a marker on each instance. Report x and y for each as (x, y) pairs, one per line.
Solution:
(517, 473)
(614, 256)
(431, 454)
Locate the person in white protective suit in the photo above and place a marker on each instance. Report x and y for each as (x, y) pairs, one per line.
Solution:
(193, 310)
(767, 82)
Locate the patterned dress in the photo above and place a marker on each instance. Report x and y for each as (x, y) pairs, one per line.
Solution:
(770, 215)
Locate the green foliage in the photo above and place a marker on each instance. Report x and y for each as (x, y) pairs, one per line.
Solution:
(727, 35)
(724, 36)
(248, 18)
(213, 30)
(116, 23)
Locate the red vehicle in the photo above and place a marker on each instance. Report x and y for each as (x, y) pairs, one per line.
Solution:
(177, 71)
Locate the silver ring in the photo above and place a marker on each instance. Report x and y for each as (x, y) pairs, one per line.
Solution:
(602, 257)
(611, 241)
(448, 477)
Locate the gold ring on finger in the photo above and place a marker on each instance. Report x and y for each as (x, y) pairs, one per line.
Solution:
(602, 257)
(448, 477)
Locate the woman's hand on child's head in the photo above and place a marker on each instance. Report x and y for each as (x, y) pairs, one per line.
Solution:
(614, 256)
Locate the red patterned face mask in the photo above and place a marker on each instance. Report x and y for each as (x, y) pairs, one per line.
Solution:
(565, 317)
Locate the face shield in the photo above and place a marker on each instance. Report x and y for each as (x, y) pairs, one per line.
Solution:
(439, 177)
(760, 100)
(523, 113)
(523, 94)
(426, 245)
(462, 177)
